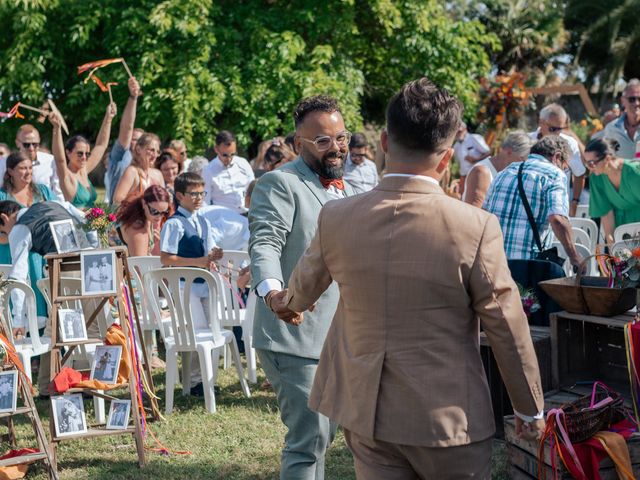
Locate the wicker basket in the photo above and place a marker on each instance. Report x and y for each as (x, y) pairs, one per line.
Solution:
(583, 424)
(589, 295)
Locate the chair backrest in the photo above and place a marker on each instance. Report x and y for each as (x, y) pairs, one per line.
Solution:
(590, 227)
(227, 277)
(626, 232)
(583, 251)
(233, 259)
(175, 284)
(582, 211)
(581, 237)
(619, 247)
(29, 309)
(138, 266)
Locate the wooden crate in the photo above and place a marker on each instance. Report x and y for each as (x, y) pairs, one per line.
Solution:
(523, 457)
(586, 348)
(499, 398)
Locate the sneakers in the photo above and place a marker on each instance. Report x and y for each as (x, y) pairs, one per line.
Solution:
(198, 390)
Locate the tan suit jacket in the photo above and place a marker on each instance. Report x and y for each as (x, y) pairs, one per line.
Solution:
(418, 273)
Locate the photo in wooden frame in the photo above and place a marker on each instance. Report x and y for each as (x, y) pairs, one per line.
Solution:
(72, 325)
(119, 412)
(8, 391)
(98, 270)
(106, 363)
(68, 415)
(65, 236)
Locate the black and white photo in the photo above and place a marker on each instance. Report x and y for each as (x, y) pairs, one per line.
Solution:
(72, 325)
(106, 363)
(8, 391)
(68, 414)
(65, 236)
(119, 415)
(98, 268)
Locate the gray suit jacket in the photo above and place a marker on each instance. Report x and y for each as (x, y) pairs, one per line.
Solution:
(283, 218)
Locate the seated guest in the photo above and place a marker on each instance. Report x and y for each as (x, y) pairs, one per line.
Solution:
(18, 185)
(140, 220)
(614, 184)
(186, 241)
(514, 148)
(359, 171)
(170, 166)
(545, 187)
(227, 176)
(140, 174)
(230, 229)
(197, 165)
(277, 154)
(74, 162)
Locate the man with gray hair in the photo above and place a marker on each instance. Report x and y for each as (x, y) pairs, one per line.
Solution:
(625, 129)
(197, 164)
(545, 188)
(553, 120)
(514, 148)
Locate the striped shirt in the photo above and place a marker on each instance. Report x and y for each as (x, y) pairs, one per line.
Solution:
(546, 189)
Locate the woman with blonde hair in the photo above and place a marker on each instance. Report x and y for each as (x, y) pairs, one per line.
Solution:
(141, 174)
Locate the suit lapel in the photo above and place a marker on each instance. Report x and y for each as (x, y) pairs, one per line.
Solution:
(310, 179)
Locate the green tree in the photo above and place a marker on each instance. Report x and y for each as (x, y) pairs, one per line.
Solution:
(206, 65)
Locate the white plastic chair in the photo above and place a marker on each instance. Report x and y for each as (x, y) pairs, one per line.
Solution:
(176, 284)
(231, 315)
(619, 247)
(626, 232)
(34, 344)
(581, 237)
(582, 211)
(588, 226)
(582, 251)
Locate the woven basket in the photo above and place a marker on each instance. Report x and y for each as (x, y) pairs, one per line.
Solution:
(589, 295)
(584, 424)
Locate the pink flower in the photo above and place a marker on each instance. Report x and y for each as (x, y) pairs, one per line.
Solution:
(112, 217)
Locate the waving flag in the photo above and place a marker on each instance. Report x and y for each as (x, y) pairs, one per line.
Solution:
(93, 66)
(12, 113)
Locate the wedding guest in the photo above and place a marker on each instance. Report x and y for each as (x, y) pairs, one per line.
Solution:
(615, 186)
(141, 218)
(181, 150)
(75, 160)
(140, 174)
(197, 164)
(277, 155)
(626, 129)
(359, 171)
(170, 165)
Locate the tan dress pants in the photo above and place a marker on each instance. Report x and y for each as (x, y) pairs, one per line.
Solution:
(378, 460)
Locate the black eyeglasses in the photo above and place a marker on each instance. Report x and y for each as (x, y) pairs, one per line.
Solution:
(555, 129)
(30, 144)
(156, 213)
(633, 99)
(228, 155)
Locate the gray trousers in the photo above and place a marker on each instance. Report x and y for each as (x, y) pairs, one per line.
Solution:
(309, 433)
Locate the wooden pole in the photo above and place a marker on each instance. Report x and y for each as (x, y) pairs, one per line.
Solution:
(126, 67)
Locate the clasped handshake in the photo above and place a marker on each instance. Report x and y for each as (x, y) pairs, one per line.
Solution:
(277, 302)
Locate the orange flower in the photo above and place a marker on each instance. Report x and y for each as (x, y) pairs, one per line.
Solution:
(636, 252)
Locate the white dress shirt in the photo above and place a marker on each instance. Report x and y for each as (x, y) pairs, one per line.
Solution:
(362, 177)
(227, 186)
(229, 229)
(44, 171)
(472, 144)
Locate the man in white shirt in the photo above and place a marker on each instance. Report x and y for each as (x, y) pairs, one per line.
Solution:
(468, 149)
(229, 229)
(626, 129)
(359, 171)
(44, 167)
(553, 120)
(227, 176)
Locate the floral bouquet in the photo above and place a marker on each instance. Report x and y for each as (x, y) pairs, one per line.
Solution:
(530, 302)
(623, 267)
(100, 220)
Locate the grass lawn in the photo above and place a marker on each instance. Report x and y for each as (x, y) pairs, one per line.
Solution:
(241, 441)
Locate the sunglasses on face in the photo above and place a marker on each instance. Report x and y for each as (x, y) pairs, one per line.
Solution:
(555, 129)
(82, 154)
(156, 213)
(195, 195)
(28, 145)
(633, 99)
(227, 155)
(593, 163)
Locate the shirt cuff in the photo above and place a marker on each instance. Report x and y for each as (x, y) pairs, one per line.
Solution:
(529, 419)
(267, 285)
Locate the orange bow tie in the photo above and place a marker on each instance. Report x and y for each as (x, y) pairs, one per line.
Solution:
(336, 182)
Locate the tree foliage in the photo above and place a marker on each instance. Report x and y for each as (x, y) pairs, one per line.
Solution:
(206, 65)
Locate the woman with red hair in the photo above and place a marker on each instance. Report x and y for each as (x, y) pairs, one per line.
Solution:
(140, 219)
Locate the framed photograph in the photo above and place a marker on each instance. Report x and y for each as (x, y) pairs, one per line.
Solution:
(106, 363)
(65, 236)
(119, 415)
(98, 269)
(68, 415)
(72, 325)
(8, 391)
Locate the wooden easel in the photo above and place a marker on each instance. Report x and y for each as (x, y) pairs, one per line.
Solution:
(30, 410)
(67, 262)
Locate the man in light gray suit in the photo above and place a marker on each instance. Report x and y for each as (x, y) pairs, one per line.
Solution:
(282, 219)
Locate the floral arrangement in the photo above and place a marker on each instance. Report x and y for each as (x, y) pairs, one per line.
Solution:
(530, 302)
(623, 267)
(100, 220)
(587, 127)
(503, 100)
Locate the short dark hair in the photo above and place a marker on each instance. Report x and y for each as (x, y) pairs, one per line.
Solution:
(603, 147)
(317, 103)
(71, 143)
(423, 117)
(8, 207)
(226, 137)
(550, 145)
(186, 180)
(358, 140)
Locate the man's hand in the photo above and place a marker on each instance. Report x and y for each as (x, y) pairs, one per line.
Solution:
(215, 254)
(529, 430)
(276, 301)
(134, 88)
(112, 110)
(55, 119)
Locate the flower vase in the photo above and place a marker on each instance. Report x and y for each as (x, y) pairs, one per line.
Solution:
(103, 239)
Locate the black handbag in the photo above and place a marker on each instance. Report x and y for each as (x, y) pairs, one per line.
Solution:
(551, 254)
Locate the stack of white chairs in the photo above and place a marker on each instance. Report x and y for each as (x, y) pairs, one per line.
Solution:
(626, 232)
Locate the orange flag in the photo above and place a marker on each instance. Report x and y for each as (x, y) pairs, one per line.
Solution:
(97, 64)
(12, 113)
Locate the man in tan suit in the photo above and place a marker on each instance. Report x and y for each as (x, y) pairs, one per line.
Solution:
(418, 273)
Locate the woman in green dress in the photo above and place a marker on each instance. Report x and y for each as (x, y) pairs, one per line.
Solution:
(18, 186)
(74, 161)
(614, 186)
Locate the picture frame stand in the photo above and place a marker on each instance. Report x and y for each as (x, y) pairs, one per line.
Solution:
(71, 262)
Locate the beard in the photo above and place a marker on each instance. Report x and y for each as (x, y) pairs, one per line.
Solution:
(322, 166)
